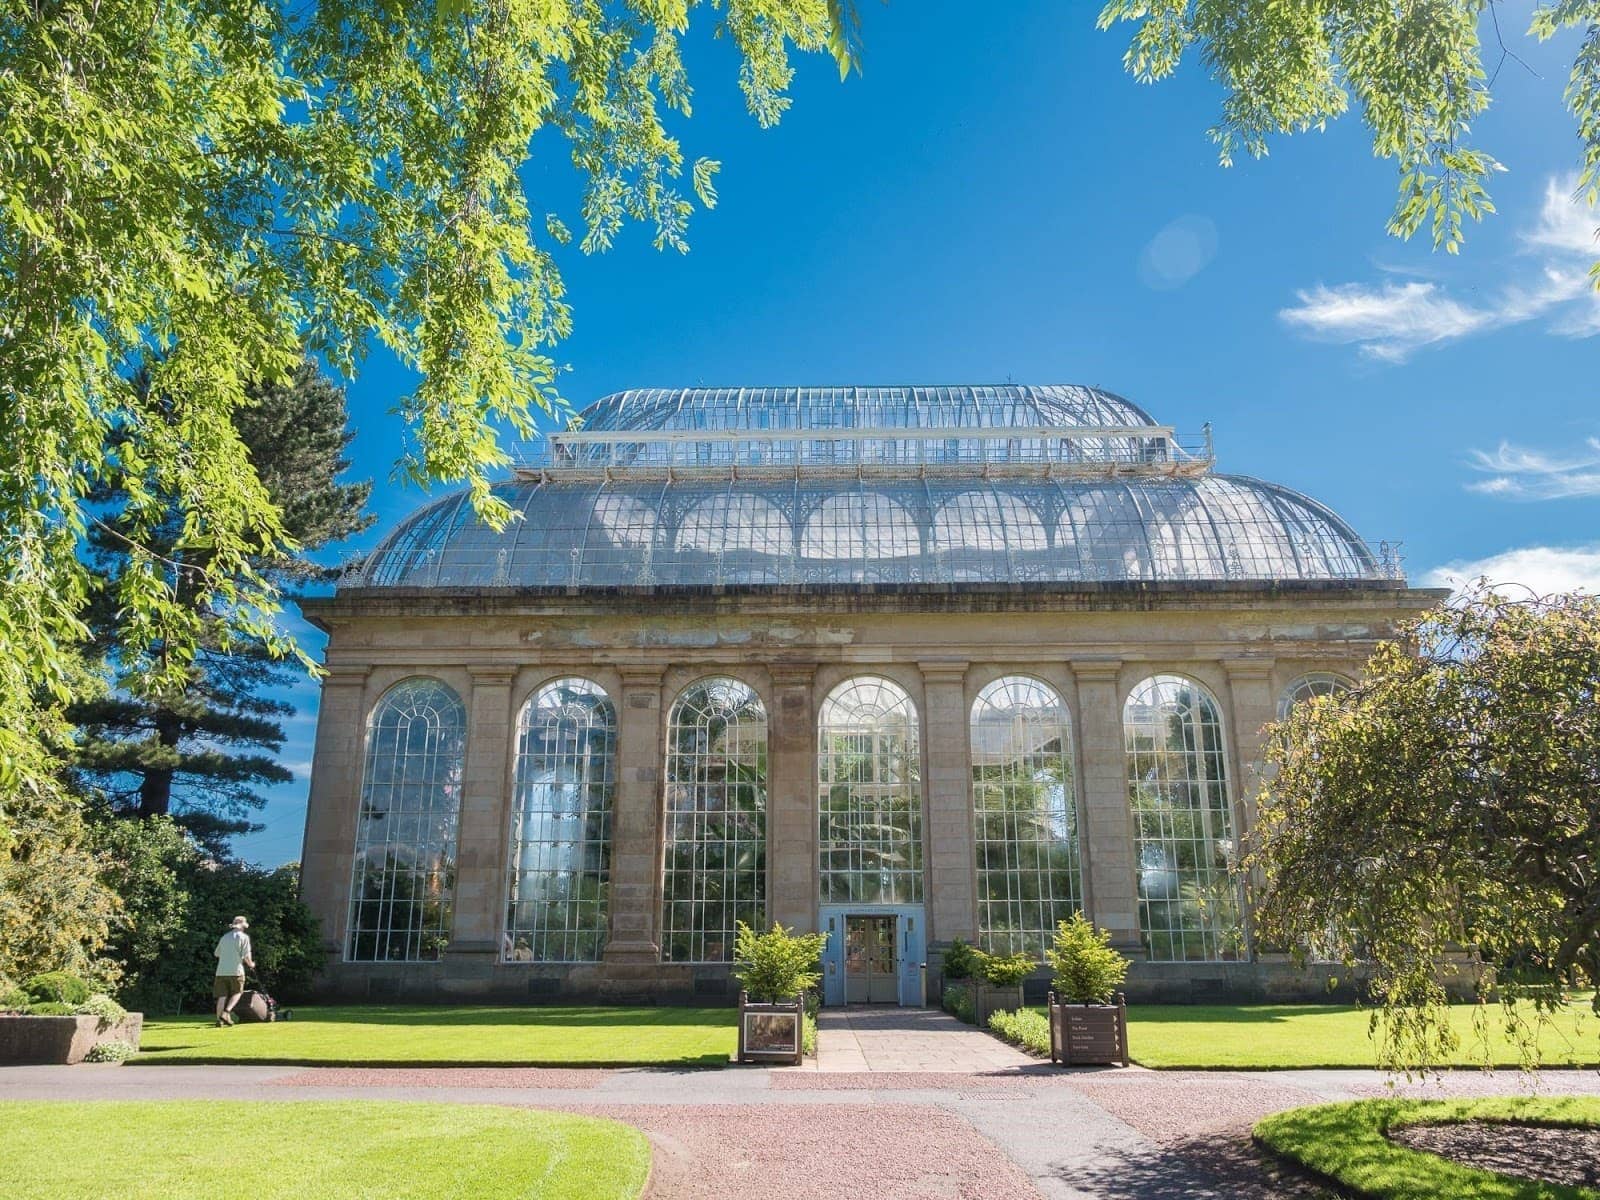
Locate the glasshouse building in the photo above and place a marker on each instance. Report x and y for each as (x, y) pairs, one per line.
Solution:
(901, 664)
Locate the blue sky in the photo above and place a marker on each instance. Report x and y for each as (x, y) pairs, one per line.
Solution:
(995, 199)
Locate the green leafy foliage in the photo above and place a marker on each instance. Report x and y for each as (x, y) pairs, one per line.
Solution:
(202, 745)
(216, 192)
(51, 1008)
(112, 1050)
(1005, 970)
(957, 1000)
(1087, 969)
(779, 964)
(178, 901)
(102, 1006)
(60, 986)
(1414, 71)
(960, 960)
(1448, 805)
(1025, 1027)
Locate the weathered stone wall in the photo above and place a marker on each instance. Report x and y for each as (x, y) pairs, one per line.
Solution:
(1093, 644)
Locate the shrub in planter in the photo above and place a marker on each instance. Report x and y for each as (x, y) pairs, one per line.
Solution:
(1005, 970)
(13, 1001)
(776, 969)
(960, 961)
(1084, 1026)
(102, 1006)
(51, 1008)
(777, 965)
(1087, 969)
(61, 987)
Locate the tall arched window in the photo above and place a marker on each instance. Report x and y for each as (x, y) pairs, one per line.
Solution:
(1318, 683)
(1024, 815)
(1178, 788)
(403, 882)
(561, 824)
(869, 794)
(716, 820)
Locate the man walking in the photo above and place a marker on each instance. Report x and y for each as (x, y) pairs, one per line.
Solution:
(233, 956)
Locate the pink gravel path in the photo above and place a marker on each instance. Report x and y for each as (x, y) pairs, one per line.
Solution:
(732, 1152)
(1171, 1106)
(895, 1081)
(444, 1077)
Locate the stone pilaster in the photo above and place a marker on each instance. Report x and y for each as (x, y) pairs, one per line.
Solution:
(1108, 841)
(333, 803)
(792, 798)
(481, 835)
(1253, 706)
(950, 881)
(636, 822)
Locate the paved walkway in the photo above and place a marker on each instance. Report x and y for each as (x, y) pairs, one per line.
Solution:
(908, 1040)
(899, 1123)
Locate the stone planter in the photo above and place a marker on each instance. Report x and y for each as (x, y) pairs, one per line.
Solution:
(992, 998)
(771, 1032)
(58, 1040)
(1089, 1033)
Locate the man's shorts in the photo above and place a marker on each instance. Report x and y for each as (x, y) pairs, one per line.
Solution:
(227, 985)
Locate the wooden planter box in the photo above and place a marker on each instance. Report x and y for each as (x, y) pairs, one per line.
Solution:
(771, 1032)
(987, 998)
(1089, 1033)
(58, 1040)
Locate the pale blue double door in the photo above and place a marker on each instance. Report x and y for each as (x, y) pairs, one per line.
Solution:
(874, 953)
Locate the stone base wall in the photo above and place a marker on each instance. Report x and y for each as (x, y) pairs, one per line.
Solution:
(58, 1040)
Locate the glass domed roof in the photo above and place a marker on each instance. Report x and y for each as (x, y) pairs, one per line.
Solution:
(796, 486)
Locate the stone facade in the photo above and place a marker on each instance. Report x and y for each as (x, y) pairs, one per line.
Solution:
(1092, 642)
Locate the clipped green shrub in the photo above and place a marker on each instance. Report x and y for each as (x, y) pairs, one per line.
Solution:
(102, 1006)
(1087, 969)
(777, 965)
(1025, 1028)
(960, 960)
(61, 987)
(808, 1035)
(114, 1050)
(958, 1001)
(14, 1000)
(51, 1008)
(1005, 970)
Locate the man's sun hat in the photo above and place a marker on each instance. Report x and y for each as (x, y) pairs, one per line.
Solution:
(240, 923)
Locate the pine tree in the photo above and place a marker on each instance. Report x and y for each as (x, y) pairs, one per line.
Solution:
(201, 751)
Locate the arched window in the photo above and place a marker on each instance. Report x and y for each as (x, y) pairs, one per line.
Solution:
(1178, 789)
(716, 820)
(1318, 683)
(403, 882)
(869, 795)
(561, 825)
(1024, 816)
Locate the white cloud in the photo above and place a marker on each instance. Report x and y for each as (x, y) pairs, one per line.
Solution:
(1517, 473)
(1390, 322)
(1541, 569)
(1387, 322)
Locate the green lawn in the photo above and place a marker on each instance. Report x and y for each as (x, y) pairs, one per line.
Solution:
(1281, 1036)
(200, 1150)
(1346, 1143)
(425, 1036)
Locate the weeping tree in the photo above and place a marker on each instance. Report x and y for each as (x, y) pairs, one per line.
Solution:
(218, 188)
(1447, 804)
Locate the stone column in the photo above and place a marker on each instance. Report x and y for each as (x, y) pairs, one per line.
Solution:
(1252, 705)
(1108, 845)
(333, 803)
(481, 835)
(951, 876)
(792, 798)
(636, 822)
